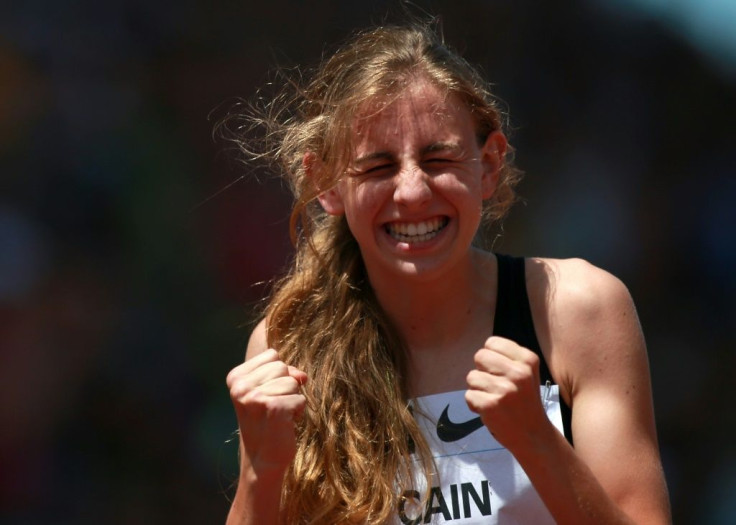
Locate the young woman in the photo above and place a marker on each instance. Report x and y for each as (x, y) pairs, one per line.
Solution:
(401, 374)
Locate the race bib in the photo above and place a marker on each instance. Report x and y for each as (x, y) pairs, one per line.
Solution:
(478, 480)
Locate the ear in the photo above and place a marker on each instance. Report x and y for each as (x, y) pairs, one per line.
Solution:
(331, 200)
(493, 157)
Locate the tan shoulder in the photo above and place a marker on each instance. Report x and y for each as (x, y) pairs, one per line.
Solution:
(258, 340)
(585, 319)
(575, 288)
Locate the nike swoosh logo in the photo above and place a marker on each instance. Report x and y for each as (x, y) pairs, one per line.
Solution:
(449, 431)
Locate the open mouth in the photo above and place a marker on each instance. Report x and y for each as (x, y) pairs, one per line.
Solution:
(415, 232)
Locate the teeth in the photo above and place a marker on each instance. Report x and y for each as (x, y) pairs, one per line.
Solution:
(414, 232)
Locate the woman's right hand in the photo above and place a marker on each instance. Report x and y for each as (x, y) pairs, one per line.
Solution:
(266, 395)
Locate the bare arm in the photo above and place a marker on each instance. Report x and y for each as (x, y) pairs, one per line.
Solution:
(596, 351)
(266, 398)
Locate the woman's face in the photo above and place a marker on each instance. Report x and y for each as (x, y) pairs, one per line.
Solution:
(416, 183)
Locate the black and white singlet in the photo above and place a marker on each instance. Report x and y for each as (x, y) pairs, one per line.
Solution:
(480, 482)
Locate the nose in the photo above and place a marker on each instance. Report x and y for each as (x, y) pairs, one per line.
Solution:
(412, 188)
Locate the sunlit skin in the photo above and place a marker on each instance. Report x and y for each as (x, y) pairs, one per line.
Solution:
(412, 197)
(418, 168)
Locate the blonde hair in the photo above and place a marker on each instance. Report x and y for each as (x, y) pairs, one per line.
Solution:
(356, 438)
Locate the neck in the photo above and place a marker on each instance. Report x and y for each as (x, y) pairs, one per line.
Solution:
(438, 315)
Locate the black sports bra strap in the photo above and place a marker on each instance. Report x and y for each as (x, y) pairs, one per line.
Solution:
(513, 320)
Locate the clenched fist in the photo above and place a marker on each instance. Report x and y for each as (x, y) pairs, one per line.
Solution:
(267, 399)
(504, 391)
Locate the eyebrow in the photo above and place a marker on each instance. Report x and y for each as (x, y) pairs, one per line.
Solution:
(442, 146)
(382, 155)
(432, 148)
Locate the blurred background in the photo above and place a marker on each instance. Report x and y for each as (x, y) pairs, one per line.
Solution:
(134, 247)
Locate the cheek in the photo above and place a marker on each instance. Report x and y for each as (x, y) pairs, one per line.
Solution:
(464, 187)
(365, 200)
(357, 216)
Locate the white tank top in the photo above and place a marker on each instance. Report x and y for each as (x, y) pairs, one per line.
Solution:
(480, 482)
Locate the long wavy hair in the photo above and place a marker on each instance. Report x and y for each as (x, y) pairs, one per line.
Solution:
(358, 444)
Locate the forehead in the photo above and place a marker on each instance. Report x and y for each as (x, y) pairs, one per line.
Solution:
(421, 112)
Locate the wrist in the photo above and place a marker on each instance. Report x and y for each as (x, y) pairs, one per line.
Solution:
(262, 474)
(537, 442)
(258, 497)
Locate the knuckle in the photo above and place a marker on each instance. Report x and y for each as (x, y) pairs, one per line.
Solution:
(532, 359)
(275, 408)
(240, 388)
(471, 399)
(474, 379)
(234, 375)
(496, 341)
(283, 369)
(230, 379)
(507, 387)
(277, 368)
(292, 384)
(254, 398)
(519, 371)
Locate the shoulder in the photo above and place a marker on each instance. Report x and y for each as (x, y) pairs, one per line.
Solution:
(586, 319)
(574, 288)
(258, 341)
(575, 285)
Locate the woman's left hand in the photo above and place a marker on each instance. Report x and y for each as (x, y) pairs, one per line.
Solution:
(504, 391)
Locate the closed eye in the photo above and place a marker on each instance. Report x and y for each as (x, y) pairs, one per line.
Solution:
(378, 168)
(438, 162)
